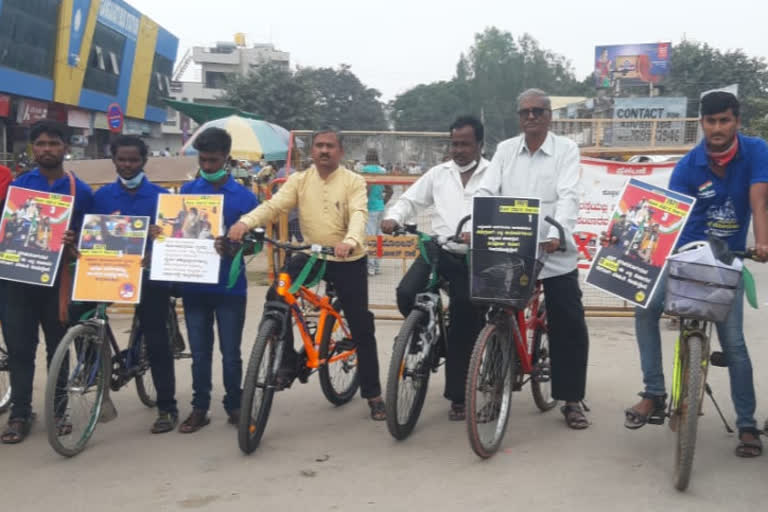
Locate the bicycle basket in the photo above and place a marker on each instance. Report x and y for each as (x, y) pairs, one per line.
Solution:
(699, 286)
(503, 278)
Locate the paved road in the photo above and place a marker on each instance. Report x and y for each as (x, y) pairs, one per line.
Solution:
(317, 457)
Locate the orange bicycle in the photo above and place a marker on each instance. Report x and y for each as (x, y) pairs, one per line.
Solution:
(328, 346)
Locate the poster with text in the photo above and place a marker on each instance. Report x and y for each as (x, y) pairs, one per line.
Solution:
(505, 234)
(643, 231)
(109, 268)
(185, 251)
(31, 232)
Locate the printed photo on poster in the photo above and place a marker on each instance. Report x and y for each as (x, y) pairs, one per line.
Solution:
(643, 231)
(185, 251)
(505, 234)
(32, 228)
(109, 268)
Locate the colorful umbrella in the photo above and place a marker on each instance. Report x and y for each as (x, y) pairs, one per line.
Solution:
(251, 139)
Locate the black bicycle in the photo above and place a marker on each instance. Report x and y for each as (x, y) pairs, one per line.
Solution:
(5, 379)
(416, 352)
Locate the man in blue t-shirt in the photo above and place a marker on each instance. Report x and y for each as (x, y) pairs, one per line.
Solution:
(203, 302)
(33, 306)
(378, 197)
(728, 175)
(133, 194)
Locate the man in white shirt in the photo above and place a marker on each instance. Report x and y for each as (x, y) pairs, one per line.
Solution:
(543, 165)
(449, 187)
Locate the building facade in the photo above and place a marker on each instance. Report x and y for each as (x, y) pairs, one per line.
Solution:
(70, 60)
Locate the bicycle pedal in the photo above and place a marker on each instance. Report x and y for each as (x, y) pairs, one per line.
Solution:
(345, 345)
(718, 359)
(656, 420)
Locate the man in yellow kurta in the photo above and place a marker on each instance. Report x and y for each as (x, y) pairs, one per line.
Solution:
(333, 211)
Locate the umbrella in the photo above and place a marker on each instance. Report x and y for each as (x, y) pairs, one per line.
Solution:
(251, 139)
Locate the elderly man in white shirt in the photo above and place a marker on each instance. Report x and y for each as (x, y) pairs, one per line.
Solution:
(449, 187)
(546, 166)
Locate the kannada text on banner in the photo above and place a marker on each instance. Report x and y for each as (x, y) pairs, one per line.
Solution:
(643, 231)
(504, 244)
(31, 232)
(185, 252)
(110, 265)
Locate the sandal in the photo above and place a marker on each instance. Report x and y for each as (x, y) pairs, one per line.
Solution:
(458, 412)
(165, 422)
(634, 419)
(574, 417)
(196, 420)
(378, 410)
(63, 426)
(751, 448)
(17, 430)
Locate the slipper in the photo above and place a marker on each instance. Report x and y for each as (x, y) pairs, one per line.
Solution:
(751, 448)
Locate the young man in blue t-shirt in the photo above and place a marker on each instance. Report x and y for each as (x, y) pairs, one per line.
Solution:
(203, 302)
(728, 175)
(33, 306)
(133, 194)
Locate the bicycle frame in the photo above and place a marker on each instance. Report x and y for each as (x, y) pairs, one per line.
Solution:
(689, 327)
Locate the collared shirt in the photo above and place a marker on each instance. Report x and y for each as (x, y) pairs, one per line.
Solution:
(722, 207)
(440, 187)
(551, 174)
(238, 200)
(331, 210)
(114, 199)
(34, 180)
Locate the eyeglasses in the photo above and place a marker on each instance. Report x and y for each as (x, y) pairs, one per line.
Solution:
(536, 111)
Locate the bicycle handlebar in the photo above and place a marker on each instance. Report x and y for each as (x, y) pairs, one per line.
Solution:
(560, 232)
(259, 235)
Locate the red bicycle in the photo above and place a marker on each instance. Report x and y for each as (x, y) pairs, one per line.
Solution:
(495, 370)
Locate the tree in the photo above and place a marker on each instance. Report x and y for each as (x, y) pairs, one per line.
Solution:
(342, 100)
(273, 94)
(430, 107)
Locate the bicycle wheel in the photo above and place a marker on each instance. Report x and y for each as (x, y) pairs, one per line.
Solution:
(489, 389)
(408, 377)
(541, 380)
(339, 380)
(5, 379)
(145, 386)
(259, 386)
(73, 394)
(688, 403)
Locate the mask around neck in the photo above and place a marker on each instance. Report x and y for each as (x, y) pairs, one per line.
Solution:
(133, 182)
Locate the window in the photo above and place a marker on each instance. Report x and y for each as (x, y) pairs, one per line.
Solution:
(215, 80)
(103, 72)
(28, 31)
(160, 85)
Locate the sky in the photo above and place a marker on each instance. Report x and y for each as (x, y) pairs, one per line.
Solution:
(393, 45)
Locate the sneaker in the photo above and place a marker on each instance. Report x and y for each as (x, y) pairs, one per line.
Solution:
(371, 271)
(165, 422)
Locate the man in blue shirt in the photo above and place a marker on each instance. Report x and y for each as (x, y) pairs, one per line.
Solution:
(728, 175)
(133, 194)
(34, 306)
(378, 197)
(202, 301)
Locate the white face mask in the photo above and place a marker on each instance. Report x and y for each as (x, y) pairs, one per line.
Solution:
(462, 169)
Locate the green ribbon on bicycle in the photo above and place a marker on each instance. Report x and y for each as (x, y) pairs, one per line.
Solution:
(305, 273)
(237, 265)
(750, 290)
(423, 248)
(677, 375)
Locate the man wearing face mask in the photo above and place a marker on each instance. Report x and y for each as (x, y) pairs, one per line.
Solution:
(449, 187)
(133, 194)
(203, 302)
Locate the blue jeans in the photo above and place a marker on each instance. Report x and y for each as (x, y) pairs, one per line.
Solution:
(731, 336)
(229, 311)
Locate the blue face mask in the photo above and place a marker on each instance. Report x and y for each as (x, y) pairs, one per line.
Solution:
(133, 182)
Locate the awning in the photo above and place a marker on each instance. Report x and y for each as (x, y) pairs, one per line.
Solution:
(201, 113)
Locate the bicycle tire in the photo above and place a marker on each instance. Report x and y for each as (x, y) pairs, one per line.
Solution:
(691, 391)
(5, 379)
(145, 386)
(400, 427)
(92, 356)
(502, 376)
(343, 394)
(542, 391)
(258, 395)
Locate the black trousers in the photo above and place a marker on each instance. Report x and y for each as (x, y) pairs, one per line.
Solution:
(27, 308)
(568, 336)
(350, 279)
(465, 319)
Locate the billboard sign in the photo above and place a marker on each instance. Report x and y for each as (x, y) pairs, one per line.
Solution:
(635, 64)
(631, 126)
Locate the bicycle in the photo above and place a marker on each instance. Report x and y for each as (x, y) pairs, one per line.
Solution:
(495, 370)
(5, 379)
(415, 354)
(328, 347)
(87, 360)
(692, 359)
